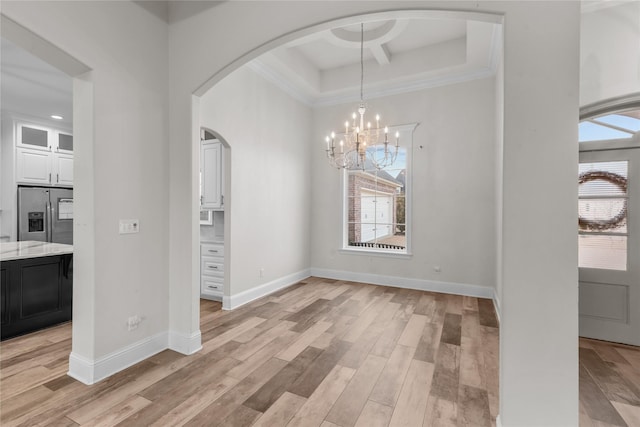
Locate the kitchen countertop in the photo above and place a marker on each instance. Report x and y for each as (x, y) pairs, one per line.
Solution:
(10, 251)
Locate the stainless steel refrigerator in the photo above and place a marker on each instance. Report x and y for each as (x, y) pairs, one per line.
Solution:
(45, 214)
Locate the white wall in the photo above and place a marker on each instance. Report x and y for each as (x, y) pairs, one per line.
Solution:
(609, 51)
(8, 191)
(268, 204)
(453, 192)
(126, 49)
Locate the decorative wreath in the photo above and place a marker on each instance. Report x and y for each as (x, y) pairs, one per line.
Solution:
(611, 223)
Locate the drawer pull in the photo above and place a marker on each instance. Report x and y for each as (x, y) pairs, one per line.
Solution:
(213, 251)
(212, 287)
(214, 267)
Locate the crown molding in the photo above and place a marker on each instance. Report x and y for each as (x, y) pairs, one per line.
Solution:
(279, 81)
(351, 96)
(411, 86)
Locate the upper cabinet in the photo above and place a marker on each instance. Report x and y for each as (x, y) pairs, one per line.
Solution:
(211, 175)
(34, 137)
(43, 139)
(44, 156)
(65, 143)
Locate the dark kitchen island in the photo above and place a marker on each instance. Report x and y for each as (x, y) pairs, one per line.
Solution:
(37, 286)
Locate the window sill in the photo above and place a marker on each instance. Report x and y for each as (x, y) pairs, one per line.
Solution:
(378, 253)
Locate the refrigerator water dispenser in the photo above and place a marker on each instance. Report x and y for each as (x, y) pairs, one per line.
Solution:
(36, 221)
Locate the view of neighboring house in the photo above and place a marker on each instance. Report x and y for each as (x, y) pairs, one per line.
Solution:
(376, 209)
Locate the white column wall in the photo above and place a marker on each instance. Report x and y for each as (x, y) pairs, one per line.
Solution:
(539, 327)
(499, 162)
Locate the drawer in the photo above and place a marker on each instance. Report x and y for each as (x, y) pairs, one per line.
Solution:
(212, 250)
(211, 267)
(211, 286)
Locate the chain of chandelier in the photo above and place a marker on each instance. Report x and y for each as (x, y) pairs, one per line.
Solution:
(361, 146)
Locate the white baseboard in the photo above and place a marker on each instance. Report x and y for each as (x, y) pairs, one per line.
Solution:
(81, 369)
(185, 344)
(498, 421)
(407, 283)
(91, 371)
(496, 304)
(235, 301)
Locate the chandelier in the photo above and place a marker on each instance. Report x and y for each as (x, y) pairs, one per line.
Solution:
(360, 144)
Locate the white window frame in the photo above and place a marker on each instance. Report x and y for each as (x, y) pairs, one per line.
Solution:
(406, 142)
(609, 106)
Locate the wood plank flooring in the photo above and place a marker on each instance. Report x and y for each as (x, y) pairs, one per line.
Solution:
(609, 384)
(320, 353)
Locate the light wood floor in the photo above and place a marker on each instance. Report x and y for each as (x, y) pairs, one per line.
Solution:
(321, 353)
(609, 384)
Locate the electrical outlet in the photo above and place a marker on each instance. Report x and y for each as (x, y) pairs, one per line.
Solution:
(262, 272)
(437, 268)
(128, 226)
(133, 322)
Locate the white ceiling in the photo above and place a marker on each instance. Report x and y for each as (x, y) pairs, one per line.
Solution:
(33, 89)
(319, 69)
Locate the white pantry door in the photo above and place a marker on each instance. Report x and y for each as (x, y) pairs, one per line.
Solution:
(609, 245)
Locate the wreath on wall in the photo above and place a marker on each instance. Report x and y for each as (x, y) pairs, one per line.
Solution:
(613, 222)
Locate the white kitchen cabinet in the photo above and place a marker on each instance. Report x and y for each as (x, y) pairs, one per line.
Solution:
(34, 137)
(211, 175)
(43, 167)
(64, 143)
(33, 166)
(63, 164)
(43, 138)
(211, 270)
(44, 156)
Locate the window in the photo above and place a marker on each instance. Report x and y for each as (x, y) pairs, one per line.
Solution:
(610, 126)
(376, 204)
(602, 213)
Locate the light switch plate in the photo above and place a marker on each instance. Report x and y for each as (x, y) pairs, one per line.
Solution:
(128, 226)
